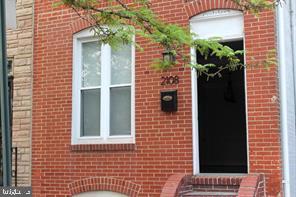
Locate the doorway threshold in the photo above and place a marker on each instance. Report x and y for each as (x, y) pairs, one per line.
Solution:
(221, 174)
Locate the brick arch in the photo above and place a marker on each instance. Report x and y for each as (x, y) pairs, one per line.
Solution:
(195, 7)
(79, 25)
(105, 184)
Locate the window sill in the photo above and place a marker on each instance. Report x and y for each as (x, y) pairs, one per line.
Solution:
(102, 147)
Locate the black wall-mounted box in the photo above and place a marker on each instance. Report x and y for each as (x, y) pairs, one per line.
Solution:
(169, 101)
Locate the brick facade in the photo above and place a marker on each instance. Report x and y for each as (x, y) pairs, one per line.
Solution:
(163, 141)
(20, 51)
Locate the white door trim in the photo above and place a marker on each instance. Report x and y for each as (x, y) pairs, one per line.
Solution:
(238, 33)
(195, 139)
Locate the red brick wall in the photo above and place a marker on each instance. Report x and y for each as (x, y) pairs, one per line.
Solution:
(163, 141)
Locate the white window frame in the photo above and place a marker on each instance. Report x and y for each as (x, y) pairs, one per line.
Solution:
(105, 138)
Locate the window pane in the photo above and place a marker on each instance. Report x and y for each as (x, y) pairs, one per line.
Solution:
(10, 14)
(90, 112)
(121, 60)
(120, 111)
(9, 66)
(91, 64)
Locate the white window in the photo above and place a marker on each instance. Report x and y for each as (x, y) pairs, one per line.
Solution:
(10, 10)
(103, 92)
(100, 193)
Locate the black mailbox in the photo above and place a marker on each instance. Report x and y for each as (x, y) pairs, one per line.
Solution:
(169, 101)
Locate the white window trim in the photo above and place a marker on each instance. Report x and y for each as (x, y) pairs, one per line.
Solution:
(78, 39)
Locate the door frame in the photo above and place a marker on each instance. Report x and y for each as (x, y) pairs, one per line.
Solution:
(194, 95)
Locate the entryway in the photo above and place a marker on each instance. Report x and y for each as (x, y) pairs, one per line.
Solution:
(219, 104)
(222, 118)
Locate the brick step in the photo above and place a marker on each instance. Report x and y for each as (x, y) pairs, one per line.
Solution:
(214, 186)
(209, 194)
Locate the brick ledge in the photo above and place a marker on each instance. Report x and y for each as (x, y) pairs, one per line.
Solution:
(173, 185)
(103, 147)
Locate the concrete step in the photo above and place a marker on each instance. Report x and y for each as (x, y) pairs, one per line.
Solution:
(210, 194)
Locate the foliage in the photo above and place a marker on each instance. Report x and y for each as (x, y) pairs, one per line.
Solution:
(116, 22)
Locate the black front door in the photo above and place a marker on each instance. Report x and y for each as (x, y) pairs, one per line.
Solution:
(222, 119)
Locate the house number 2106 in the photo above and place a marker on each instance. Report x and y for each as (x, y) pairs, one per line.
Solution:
(169, 80)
